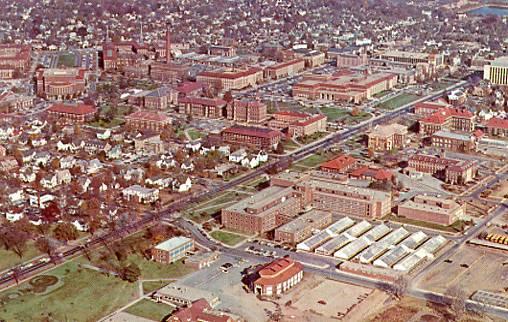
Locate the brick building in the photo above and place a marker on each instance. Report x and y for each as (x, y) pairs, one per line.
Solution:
(432, 209)
(278, 277)
(450, 170)
(246, 111)
(120, 55)
(259, 137)
(213, 108)
(172, 250)
(312, 58)
(497, 127)
(298, 124)
(341, 164)
(285, 69)
(11, 102)
(450, 141)
(157, 99)
(60, 84)
(227, 51)
(302, 227)
(344, 86)
(387, 137)
(13, 59)
(351, 60)
(263, 211)
(447, 119)
(145, 120)
(428, 108)
(231, 79)
(78, 113)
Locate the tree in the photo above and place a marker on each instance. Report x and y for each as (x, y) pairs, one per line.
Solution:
(457, 301)
(46, 245)
(65, 232)
(228, 97)
(131, 272)
(280, 148)
(14, 239)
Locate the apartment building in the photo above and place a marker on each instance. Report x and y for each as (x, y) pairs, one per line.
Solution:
(246, 111)
(387, 137)
(227, 79)
(452, 119)
(259, 137)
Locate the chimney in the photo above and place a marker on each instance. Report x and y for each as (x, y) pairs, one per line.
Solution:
(168, 44)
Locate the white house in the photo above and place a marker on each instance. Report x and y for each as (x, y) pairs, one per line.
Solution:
(114, 153)
(142, 194)
(238, 156)
(193, 146)
(27, 175)
(40, 201)
(94, 166)
(42, 158)
(67, 162)
(224, 150)
(250, 162)
(17, 196)
(187, 166)
(182, 187)
(159, 181)
(39, 142)
(262, 156)
(63, 176)
(80, 225)
(104, 136)
(14, 216)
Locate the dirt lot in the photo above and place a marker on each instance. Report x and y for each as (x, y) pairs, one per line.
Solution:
(500, 190)
(471, 268)
(337, 300)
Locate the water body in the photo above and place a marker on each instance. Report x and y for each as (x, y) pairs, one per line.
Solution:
(485, 11)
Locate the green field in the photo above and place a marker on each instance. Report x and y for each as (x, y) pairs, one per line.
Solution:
(226, 237)
(154, 270)
(453, 228)
(203, 211)
(312, 161)
(67, 60)
(150, 286)
(80, 295)
(398, 101)
(8, 258)
(117, 120)
(194, 134)
(334, 113)
(150, 310)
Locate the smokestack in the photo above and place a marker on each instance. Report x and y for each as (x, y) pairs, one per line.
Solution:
(168, 44)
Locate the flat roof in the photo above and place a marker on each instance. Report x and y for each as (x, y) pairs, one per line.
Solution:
(260, 199)
(173, 243)
(375, 194)
(307, 218)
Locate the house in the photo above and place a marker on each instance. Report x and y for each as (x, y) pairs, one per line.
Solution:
(16, 196)
(96, 146)
(27, 175)
(237, 156)
(135, 174)
(27, 156)
(166, 161)
(182, 187)
(224, 169)
(12, 216)
(80, 225)
(142, 194)
(224, 150)
(63, 176)
(42, 158)
(104, 136)
(194, 146)
(159, 181)
(40, 200)
(67, 162)
(115, 153)
(94, 166)
(8, 164)
(84, 183)
(187, 166)
(251, 162)
(262, 156)
(49, 181)
(38, 142)
(149, 143)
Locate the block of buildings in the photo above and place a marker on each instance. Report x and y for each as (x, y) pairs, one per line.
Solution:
(157, 99)
(246, 111)
(120, 55)
(302, 227)
(226, 79)
(387, 137)
(497, 71)
(14, 60)
(425, 109)
(432, 209)
(278, 277)
(202, 107)
(201, 311)
(497, 127)
(172, 250)
(450, 170)
(335, 196)
(11, 102)
(180, 295)
(298, 124)
(345, 85)
(227, 51)
(284, 69)
(146, 120)
(78, 113)
(312, 57)
(414, 58)
(347, 60)
(451, 141)
(451, 119)
(258, 137)
(60, 84)
(263, 211)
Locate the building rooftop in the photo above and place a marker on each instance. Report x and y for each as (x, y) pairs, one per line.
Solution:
(307, 218)
(262, 199)
(452, 135)
(173, 243)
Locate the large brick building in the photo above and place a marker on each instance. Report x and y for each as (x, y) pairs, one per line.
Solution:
(341, 164)
(425, 109)
(450, 170)
(432, 209)
(497, 127)
(13, 59)
(351, 60)
(302, 227)
(157, 99)
(213, 108)
(387, 137)
(172, 250)
(145, 120)
(78, 113)
(11, 102)
(278, 277)
(231, 79)
(450, 141)
(298, 124)
(259, 137)
(447, 119)
(285, 69)
(60, 84)
(414, 58)
(344, 86)
(246, 111)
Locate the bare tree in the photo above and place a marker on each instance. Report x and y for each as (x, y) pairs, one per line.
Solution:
(456, 297)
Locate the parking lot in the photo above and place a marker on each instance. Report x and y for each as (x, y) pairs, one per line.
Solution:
(81, 58)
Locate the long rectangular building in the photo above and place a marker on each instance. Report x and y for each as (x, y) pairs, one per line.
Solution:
(432, 209)
(300, 228)
(259, 137)
(231, 79)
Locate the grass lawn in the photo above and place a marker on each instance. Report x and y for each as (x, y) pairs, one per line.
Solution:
(153, 270)
(437, 86)
(290, 145)
(398, 101)
(8, 258)
(455, 227)
(150, 310)
(334, 113)
(105, 124)
(312, 161)
(194, 134)
(80, 295)
(67, 60)
(151, 286)
(383, 93)
(226, 237)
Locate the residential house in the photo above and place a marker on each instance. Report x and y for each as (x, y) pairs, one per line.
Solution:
(141, 194)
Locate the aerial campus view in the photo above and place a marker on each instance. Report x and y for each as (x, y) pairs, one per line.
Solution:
(253, 160)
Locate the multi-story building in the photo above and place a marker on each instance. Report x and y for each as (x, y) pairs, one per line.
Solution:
(60, 84)
(13, 59)
(450, 170)
(172, 250)
(259, 137)
(298, 124)
(312, 58)
(332, 195)
(341, 164)
(432, 209)
(497, 71)
(450, 141)
(158, 99)
(79, 113)
(347, 60)
(302, 227)
(425, 109)
(447, 119)
(263, 211)
(246, 111)
(285, 69)
(414, 58)
(277, 277)
(497, 127)
(227, 51)
(140, 194)
(387, 137)
(344, 86)
(231, 79)
(11, 102)
(145, 120)
(213, 108)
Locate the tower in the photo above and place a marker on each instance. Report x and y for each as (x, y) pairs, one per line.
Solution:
(141, 32)
(168, 45)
